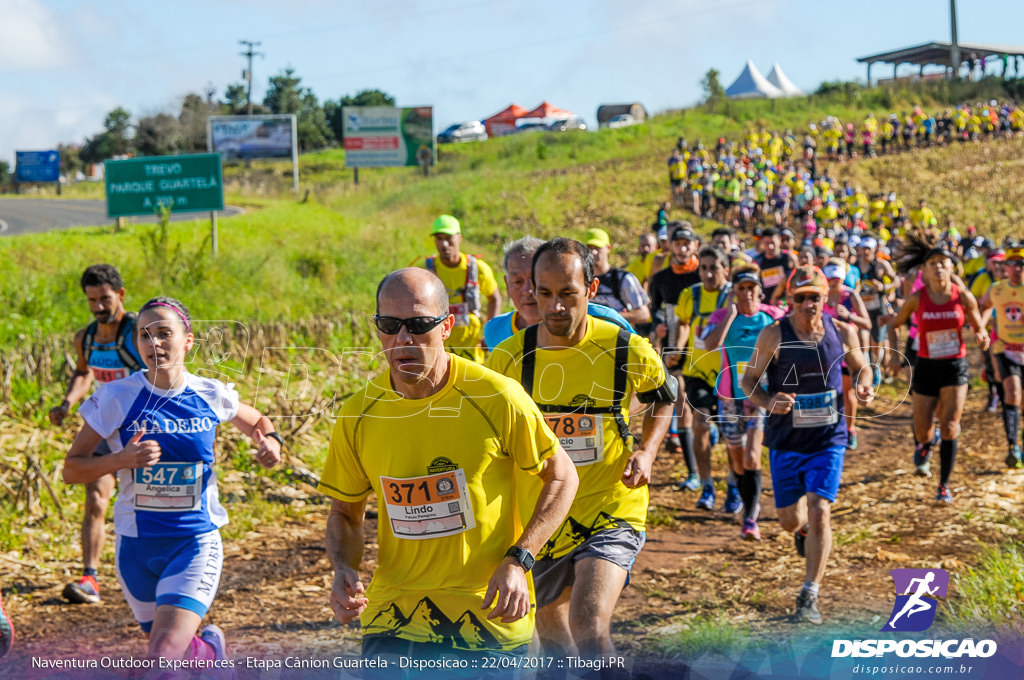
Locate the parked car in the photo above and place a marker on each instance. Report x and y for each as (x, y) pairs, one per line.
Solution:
(566, 124)
(622, 120)
(470, 131)
(533, 126)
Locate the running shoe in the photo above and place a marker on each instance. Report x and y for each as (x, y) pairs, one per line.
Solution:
(6, 632)
(707, 498)
(800, 541)
(733, 502)
(214, 636)
(672, 444)
(85, 591)
(944, 494)
(1013, 458)
(692, 483)
(807, 608)
(921, 453)
(750, 531)
(851, 442)
(923, 470)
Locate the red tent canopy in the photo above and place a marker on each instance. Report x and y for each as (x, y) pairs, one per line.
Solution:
(503, 121)
(545, 110)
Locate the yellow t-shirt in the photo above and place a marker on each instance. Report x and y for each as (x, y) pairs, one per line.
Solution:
(469, 328)
(981, 284)
(583, 375)
(445, 471)
(698, 362)
(640, 267)
(1008, 304)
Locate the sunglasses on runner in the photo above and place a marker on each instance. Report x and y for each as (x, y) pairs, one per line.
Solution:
(417, 325)
(801, 298)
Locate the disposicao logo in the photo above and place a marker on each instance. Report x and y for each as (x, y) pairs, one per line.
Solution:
(917, 593)
(916, 603)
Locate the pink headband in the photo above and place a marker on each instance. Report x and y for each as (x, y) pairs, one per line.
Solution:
(188, 326)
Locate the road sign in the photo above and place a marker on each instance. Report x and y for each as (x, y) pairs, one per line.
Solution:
(141, 186)
(37, 166)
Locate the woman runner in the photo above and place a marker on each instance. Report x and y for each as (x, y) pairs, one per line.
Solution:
(941, 308)
(734, 329)
(160, 424)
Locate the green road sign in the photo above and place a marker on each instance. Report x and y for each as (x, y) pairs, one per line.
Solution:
(141, 186)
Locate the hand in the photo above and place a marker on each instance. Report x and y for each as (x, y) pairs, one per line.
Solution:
(885, 319)
(983, 339)
(347, 598)
(782, 403)
(59, 413)
(269, 453)
(660, 331)
(865, 393)
(138, 453)
(508, 585)
(638, 469)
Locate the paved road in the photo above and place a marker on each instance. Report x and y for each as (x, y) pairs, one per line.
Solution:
(35, 215)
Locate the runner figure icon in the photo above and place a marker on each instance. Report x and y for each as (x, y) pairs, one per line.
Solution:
(918, 591)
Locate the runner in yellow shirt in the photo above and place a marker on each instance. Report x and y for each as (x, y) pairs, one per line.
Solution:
(583, 372)
(469, 281)
(443, 444)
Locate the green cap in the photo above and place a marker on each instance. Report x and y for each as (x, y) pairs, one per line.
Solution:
(446, 224)
(597, 238)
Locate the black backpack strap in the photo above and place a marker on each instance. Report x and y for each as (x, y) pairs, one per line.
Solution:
(619, 387)
(88, 339)
(123, 353)
(529, 358)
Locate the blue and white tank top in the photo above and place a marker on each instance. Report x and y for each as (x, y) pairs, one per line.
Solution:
(813, 372)
(178, 495)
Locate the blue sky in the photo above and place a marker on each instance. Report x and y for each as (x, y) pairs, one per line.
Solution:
(64, 64)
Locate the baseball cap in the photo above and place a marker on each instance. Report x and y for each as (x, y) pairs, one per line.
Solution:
(596, 237)
(870, 243)
(1015, 253)
(997, 255)
(680, 233)
(807, 278)
(785, 232)
(446, 224)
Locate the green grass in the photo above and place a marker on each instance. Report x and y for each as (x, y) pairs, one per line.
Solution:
(989, 596)
(706, 634)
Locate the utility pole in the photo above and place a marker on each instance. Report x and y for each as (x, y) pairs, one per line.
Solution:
(954, 51)
(248, 71)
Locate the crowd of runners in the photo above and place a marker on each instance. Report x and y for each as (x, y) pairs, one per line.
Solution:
(510, 454)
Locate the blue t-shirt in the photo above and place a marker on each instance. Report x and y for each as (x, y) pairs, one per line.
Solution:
(499, 329)
(177, 496)
(738, 346)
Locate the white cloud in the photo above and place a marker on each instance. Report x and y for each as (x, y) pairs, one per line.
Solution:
(32, 37)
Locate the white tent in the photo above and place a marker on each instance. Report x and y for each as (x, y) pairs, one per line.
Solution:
(777, 78)
(752, 85)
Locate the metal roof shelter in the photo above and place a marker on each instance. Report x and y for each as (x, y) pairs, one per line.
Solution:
(939, 54)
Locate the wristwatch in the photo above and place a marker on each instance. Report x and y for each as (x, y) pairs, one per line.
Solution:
(275, 435)
(522, 556)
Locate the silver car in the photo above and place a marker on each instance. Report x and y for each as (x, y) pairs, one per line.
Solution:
(470, 131)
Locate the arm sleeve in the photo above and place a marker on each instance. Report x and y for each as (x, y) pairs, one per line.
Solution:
(343, 477)
(529, 439)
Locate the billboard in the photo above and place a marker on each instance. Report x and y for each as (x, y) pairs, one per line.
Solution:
(244, 137)
(37, 166)
(141, 186)
(379, 136)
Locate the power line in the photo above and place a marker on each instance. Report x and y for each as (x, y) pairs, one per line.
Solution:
(248, 71)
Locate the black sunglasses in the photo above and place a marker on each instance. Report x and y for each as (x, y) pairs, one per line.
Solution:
(801, 298)
(417, 325)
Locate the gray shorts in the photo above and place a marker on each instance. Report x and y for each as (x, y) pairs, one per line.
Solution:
(619, 546)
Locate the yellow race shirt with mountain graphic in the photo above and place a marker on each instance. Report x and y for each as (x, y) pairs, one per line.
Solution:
(445, 471)
(583, 375)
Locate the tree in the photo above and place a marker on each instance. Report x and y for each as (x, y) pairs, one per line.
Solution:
(313, 130)
(118, 124)
(158, 135)
(192, 119)
(70, 160)
(713, 90)
(284, 94)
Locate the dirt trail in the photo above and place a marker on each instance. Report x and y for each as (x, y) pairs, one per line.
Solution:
(273, 595)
